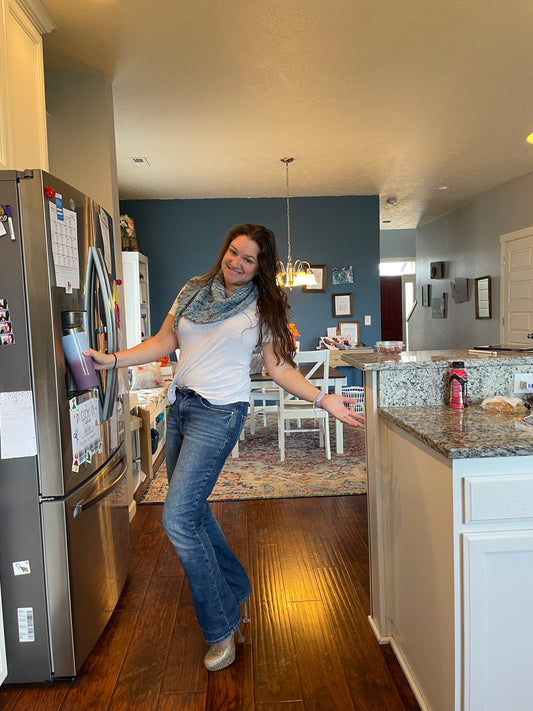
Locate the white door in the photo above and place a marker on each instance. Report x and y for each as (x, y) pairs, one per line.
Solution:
(516, 299)
(408, 304)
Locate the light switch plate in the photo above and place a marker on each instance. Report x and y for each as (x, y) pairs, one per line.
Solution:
(368, 320)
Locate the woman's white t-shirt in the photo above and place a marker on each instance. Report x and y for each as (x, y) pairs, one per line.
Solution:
(215, 357)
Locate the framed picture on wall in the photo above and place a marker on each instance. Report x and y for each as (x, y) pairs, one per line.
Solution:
(426, 294)
(319, 270)
(436, 270)
(438, 305)
(342, 275)
(342, 305)
(350, 329)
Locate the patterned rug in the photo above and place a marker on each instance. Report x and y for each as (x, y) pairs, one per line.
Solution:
(258, 472)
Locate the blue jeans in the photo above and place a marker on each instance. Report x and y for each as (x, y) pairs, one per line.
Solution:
(200, 436)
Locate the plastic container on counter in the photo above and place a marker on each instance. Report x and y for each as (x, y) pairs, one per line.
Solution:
(389, 347)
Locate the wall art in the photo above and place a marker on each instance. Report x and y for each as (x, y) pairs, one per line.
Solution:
(342, 275)
(319, 270)
(342, 305)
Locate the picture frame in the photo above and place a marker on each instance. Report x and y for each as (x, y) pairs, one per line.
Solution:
(342, 275)
(483, 297)
(331, 332)
(459, 290)
(342, 305)
(319, 270)
(349, 329)
(436, 270)
(426, 294)
(439, 305)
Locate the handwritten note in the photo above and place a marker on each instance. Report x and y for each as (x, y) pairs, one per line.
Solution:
(17, 425)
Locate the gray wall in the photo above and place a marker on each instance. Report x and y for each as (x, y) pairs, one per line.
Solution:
(467, 240)
(397, 244)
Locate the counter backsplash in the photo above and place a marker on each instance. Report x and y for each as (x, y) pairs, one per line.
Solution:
(422, 379)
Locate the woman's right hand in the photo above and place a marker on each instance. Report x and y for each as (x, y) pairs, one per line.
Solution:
(102, 361)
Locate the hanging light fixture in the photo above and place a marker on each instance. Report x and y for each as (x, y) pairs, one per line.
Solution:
(299, 273)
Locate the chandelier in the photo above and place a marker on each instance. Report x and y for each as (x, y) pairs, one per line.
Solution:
(299, 273)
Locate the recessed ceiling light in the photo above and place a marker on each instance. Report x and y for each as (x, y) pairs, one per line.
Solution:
(140, 162)
(442, 187)
(529, 139)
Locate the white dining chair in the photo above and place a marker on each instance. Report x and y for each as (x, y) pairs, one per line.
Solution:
(290, 408)
(259, 399)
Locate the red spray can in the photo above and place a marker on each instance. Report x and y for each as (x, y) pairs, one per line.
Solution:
(457, 381)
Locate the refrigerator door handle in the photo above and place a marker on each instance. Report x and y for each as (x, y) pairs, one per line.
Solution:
(89, 299)
(111, 325)
(85, 504)
(96, 271)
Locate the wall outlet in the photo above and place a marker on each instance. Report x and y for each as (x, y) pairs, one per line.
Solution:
(368, 320)
(523, 383)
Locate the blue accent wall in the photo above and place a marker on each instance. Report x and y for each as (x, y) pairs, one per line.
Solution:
(182, 238)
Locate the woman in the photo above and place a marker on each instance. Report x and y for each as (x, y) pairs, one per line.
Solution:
(217, 320)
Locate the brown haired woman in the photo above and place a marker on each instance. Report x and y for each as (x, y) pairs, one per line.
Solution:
(217, 320)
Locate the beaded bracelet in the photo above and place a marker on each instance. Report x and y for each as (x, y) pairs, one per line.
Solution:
(319, 399)
(115, 363)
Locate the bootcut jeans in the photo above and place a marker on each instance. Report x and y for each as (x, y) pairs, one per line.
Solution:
(200, 436)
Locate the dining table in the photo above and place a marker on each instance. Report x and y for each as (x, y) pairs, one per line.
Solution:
(336, 380)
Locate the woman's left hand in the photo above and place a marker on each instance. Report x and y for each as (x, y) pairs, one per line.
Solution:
(335, 405)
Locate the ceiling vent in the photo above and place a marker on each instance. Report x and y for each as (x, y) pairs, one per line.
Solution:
(140, 162)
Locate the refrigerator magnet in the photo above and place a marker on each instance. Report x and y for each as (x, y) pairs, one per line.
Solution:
(21, 567)
(59, 207)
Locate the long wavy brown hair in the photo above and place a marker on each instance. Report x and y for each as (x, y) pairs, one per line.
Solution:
(272, 303)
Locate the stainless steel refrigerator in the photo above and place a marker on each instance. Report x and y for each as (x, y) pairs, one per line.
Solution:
(64, 540)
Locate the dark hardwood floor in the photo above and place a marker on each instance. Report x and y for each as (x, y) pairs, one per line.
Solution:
(309, 645)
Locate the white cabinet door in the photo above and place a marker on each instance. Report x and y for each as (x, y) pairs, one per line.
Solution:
(498, 620)
(136, 297)
(23, 139)
(3, 659)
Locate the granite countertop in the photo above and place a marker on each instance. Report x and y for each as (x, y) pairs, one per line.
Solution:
(432, 359)
(465, 434)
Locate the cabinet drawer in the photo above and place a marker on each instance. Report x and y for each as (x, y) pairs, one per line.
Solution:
(498, 498)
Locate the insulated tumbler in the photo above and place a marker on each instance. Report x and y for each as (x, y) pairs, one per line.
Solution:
(81, 367)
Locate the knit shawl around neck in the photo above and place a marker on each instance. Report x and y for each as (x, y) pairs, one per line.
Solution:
(209, 303)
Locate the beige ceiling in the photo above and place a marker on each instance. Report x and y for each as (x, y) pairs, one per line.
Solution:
(388, 97)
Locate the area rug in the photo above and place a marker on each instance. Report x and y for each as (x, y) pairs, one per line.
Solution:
(258, 472)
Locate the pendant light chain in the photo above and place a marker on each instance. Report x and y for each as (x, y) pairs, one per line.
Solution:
(287, 161)
(299, 273)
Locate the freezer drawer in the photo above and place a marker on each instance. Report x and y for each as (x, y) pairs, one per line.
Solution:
(86, 542)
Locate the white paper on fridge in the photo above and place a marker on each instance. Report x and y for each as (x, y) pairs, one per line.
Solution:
(17, 425)
(64, 236)
(85, 429)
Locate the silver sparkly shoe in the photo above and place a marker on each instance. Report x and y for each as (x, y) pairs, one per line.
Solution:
(217, 658)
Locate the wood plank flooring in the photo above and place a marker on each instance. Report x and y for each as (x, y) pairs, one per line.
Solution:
(309, 646)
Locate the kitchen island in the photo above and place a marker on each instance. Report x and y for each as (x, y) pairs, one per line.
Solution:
(450, 498)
